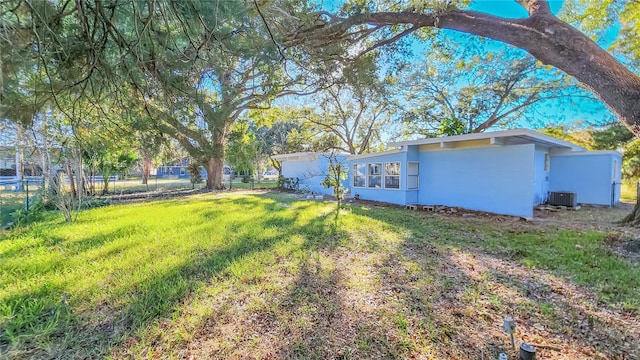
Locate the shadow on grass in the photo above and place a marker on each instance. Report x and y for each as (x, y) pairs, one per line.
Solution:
(45, 331)
(470, 295)
(425, 302)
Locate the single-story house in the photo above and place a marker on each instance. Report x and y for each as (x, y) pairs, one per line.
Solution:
(307, 170)
(504, 172)
(178, 170)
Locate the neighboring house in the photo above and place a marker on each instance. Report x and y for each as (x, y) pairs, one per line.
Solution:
(29, 160)
(178, 170)
(504, 172)
(309, 169)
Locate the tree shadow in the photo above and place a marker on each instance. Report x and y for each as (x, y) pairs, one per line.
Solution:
(134, 305)
(461, 308)
(424, 295)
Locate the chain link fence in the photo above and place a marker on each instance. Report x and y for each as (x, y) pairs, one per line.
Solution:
(17, 195)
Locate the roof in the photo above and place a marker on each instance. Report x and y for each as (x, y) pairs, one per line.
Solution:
(514, 136)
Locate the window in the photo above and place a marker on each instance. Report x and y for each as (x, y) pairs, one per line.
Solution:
(375, 175)
(359, 175)
(546, 162)
(182, 172)
(413, 169)
(392, 175)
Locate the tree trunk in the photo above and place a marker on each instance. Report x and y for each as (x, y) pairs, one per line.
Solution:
(72, 183)
(80, 176)
(215, 171)
(146, 168)
(276, 164)
(634, 217)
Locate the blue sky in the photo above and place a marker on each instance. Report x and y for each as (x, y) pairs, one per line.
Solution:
(508, 8)
(565, 112)
(550, 111)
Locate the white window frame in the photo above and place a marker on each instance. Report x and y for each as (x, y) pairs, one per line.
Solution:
(385, 176)
(355, 175)
(410, 175)
(370, 175)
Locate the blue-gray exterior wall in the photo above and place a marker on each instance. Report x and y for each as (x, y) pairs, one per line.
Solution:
(500, 179)
(496, 179)
(590, 175)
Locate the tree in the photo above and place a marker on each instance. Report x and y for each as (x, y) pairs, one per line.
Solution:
(282, 130)
(543, 35)
(354, 108)
(276, 139)
(576, 133)
(190, 68)
(618, 137)
(628, 42)
(455, 92)
(243, 150)
(194, 173)
(336, 173)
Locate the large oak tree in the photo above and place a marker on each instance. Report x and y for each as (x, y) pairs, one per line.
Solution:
(189, 68)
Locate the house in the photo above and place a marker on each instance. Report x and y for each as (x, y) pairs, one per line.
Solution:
(307, 170)
(504, 172)
(178, 170)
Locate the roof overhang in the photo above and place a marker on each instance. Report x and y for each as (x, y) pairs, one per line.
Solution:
(299, 156)
(592, 152)
(505, 137)
(376, 154)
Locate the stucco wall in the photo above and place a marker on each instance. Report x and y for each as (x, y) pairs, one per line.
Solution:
(589, 175)
(496, 179)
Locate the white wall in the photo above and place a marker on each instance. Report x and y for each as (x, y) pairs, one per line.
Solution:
(496, 179)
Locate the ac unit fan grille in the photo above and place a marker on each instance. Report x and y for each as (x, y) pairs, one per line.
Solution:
(557, 198)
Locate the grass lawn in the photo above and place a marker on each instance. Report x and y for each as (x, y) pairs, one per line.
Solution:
(628, 192)
(10, 201)
(267, 275)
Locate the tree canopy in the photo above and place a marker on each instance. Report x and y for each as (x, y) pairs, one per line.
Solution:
(542, 34)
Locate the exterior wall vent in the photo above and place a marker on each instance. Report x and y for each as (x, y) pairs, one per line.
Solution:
(557, 198)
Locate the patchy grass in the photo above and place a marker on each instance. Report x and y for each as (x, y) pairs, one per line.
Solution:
(270, 276)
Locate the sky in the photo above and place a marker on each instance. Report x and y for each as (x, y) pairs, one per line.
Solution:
(548, 112)
(544, 113)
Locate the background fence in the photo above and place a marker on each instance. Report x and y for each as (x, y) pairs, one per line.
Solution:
(17, 195)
